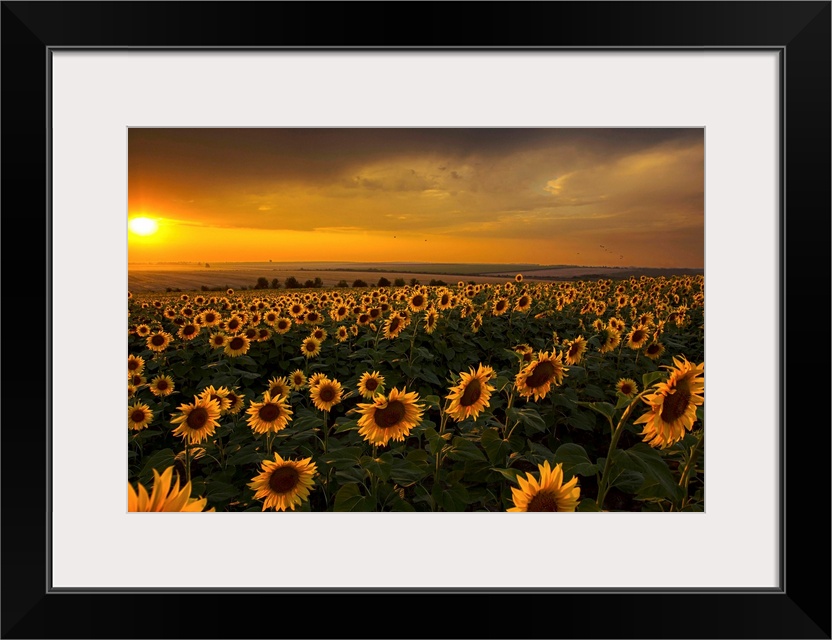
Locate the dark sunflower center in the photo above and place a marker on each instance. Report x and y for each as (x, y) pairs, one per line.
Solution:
(312, 316)
(674, 405)
(501, 305)
(394, 324)
(269, 412)
(157, 341)
(653, 349)
(444, 300)
(233, 324)
(418, 301)
(390, 416)
(472, 393)
(524, 301)
(236, 343)
(137, 416)
(132, 365)
(543, 373)
(543, 501)
(190, 329)
(232, 398)
(162, 385)
(218, 340)
(137, 379)
(284, 479)
(326, 394)
(319, 335)
(574, 350)
(282, 324)
(626, 389)
(197, 418)
(371, 384)
(310, 346)
(639, 335)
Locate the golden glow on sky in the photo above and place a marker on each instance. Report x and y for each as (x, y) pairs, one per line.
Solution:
(614, 197)
(143, 226)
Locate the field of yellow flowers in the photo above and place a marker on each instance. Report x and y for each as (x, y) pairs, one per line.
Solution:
(575, 396)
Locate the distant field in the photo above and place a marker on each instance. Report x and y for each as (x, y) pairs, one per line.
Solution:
(192, 277)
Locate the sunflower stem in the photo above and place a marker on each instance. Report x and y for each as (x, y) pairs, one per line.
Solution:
(684, 480)
(187, 461)
(616, 434)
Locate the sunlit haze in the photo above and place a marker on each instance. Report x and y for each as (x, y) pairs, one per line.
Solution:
(617, 197)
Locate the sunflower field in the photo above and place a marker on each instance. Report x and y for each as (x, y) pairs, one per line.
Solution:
(522, 396)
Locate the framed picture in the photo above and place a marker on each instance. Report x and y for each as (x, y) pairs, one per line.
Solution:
(82, 81)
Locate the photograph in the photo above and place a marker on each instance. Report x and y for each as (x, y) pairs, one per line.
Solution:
(483, 319)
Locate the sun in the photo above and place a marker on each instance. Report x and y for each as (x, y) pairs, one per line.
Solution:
(143, 226)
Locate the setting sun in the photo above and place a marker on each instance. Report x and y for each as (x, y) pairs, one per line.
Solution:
(143, 226)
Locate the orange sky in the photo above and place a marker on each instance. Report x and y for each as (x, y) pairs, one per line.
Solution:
(618, 197)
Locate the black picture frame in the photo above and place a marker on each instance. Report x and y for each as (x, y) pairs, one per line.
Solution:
(800, 608)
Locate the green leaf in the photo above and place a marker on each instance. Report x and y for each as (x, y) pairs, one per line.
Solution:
(407, 472)
(582, 420)
(432, 401)
(575, 460)
(651, 378)
(587, 504)
(379, 467)
(221, 492)
(495, 447)
(604, 408)
(627, 480)
(349, 498)
(655, 469)
(341, 458)
(160, 461)
(508, 474)
(346, 425)
(527, 416)
(463, 450)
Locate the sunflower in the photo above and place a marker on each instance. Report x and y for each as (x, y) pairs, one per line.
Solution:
(476, 323)
(236, 401)
(575, 350)
(369, 384)
(393, 326)
(319, 334)
(445, 300)
(518, 277)
(210, 317)
(135, 364)
(137, 380)
(197, 420)
(316, 378)
(418, 301)
(525, 352)
(162, 386)
(220, 395)
(431, 318)
(188, 331)
(549, 493)
(654, 350)
(354, 330)
(269, 415)
(279, 387)
(139, 416)
(237, 346)
(284, 484)
(537, 378)
(297, 380)
(310, 347)
(342, 334)
(234, 324)
(389, 418)
(218, 340)
(500, 306)
(609, 339)
(673, 404)
(159, 341)
(164, 497)
(627, 387)
(472, 394)
(142, 330)
(326, 394)
(637, 337)
(282, 325)
(524, 303)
